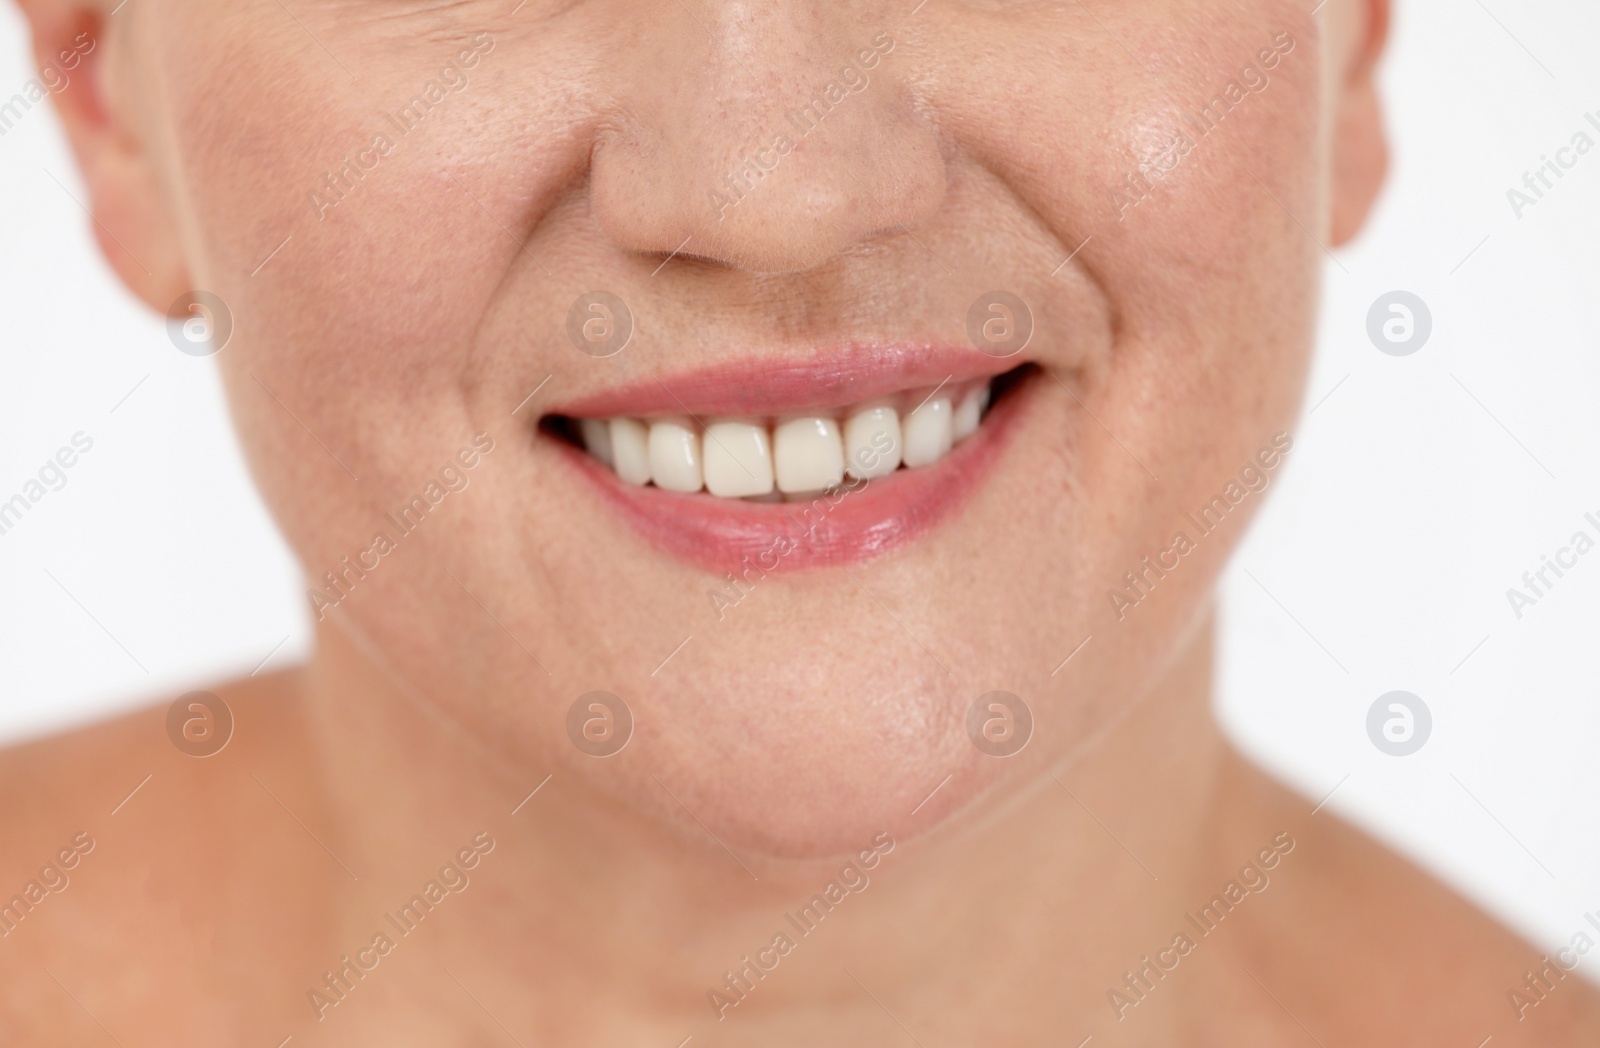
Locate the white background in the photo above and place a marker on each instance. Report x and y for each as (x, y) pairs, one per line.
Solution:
(1420, 487)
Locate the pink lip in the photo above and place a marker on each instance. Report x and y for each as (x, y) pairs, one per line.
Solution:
(851, 525)
(831, 378)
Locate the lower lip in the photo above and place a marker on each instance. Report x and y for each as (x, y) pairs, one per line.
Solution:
(853, 524)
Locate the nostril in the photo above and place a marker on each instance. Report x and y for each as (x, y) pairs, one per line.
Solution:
(684, 256)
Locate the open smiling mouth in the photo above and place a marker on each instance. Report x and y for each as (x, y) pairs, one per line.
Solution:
(795, 465)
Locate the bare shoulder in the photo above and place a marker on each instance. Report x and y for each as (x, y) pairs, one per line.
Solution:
(1359, 945)
(124, 845)
(95, 777)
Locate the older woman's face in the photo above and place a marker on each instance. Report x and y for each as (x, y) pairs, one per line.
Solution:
(800, 208)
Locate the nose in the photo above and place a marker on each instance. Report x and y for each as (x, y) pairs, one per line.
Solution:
(766, 135)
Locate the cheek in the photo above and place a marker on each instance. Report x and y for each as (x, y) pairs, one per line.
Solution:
(366, 217)
(1209, 273)
(357, 230)
(1209, 267)
(1220, 262)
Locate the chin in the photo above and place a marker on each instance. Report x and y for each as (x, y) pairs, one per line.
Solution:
(808, 764)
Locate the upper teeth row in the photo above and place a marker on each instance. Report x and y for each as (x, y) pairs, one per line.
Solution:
(746, 458)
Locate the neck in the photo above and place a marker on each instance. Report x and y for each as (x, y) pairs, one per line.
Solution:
(665, 935)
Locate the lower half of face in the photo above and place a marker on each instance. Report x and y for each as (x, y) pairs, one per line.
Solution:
(785, 392)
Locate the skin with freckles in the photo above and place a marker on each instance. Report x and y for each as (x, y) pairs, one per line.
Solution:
(400, 201)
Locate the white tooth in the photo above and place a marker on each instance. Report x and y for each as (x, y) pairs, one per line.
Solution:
(597, 438)
(866, 434)
(968, 412)
(630, 449)
(808, 454)
(738, 459)
(674, 456)
(927, 433)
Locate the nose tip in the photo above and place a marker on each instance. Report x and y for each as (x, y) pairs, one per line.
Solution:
(776, 174)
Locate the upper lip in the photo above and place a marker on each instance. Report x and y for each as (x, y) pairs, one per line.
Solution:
(823, 381)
